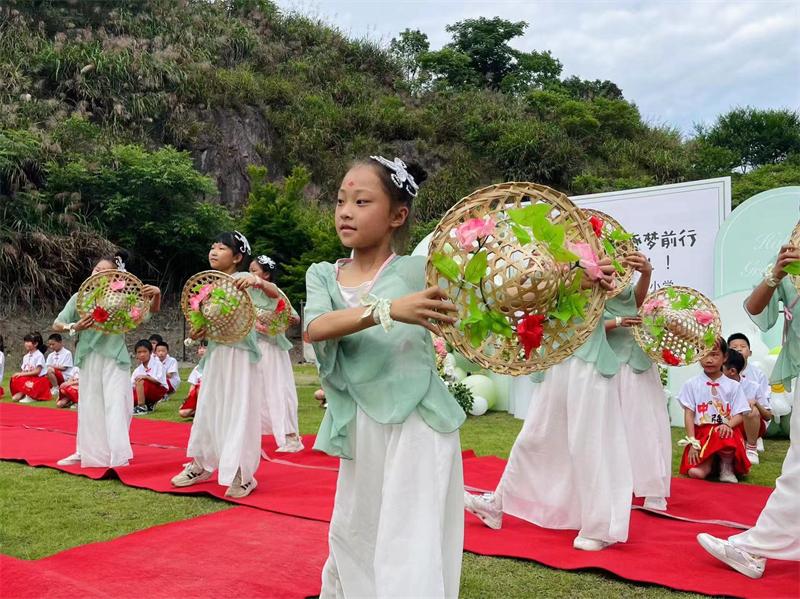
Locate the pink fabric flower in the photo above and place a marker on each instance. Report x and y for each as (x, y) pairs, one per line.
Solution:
(135, 313)
(587, 259)
(653, 305)
(474, 229)
(440, 346)
(198, 298)
(117, 285)
(703, 317)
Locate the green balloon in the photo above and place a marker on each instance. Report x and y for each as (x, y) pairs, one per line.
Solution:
(481, 385)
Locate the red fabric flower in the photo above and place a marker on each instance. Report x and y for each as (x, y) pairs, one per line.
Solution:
(670, 358)
(529, 331)
(597, 225)
(280, 307)
(100, 314)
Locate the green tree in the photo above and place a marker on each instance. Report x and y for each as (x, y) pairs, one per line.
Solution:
(766, 177)
(582, 89)
(754, 137)
(407, 49)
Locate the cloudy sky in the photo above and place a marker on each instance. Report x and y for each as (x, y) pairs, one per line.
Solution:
(681, 62)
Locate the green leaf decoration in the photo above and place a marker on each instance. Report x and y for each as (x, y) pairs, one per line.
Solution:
(529, 215)
(619, 236)
(218, 293)
(521, 234)
(476, 267)
(683, 301)
(793, 268)
(498, 323)
(446, 266)
(689, 355)
(197, 320)
(561, 254)
(571, 300)
(710, 338)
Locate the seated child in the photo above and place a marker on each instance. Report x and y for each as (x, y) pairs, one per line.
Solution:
(751, 372)
(154, 340)
(189, 406)
(58, 363)
(68, 391)
(755, 420)
(713, 406)
(2, 365)
(170, 366)
(30, 384)
(149, 380)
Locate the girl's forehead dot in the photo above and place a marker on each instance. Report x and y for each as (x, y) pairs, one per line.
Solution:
(350, 183)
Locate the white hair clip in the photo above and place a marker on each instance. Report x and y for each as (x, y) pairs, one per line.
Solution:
(244, 245)
(400, 175)
(120, 264)
(266, 261)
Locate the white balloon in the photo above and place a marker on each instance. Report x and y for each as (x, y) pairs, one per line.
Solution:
(479, 405)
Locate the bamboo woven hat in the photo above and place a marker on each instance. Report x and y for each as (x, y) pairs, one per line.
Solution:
(617, 243)
(113, 298)
(211, 301)
(506, 256)
(679, 326)
(277, 319)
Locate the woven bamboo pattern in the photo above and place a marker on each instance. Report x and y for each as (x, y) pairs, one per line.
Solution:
(685, 335)
(276, 321)
(210, 301)
(114, 300)
(622, 249)
(520, 279)
(795, 241)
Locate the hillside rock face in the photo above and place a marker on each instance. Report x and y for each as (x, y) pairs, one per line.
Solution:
(232, 140)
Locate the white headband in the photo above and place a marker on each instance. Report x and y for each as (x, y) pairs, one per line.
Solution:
(400, 176)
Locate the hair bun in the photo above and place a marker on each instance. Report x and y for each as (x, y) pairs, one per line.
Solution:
(415, 170)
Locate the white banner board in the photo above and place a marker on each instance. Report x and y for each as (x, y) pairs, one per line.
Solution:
(675, 226)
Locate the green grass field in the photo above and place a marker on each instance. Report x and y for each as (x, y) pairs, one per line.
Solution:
(46, 511)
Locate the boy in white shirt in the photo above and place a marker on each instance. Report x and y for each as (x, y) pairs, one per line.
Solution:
(713, 406)
(170, 366)
(59, 363)
(149, 380)
(755, 421)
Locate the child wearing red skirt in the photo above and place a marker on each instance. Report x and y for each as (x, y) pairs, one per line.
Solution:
(68, 390)
(149, 380)
(31, 383)
(713, 406)
(189, 406)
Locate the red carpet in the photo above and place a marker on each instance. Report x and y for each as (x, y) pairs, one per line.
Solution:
(660, 550)
(240, 552)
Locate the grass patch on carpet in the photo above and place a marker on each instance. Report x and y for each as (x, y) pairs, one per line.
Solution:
(46, 511)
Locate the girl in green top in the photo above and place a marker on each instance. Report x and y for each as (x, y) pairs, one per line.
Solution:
(226, 431)
(277, 390)
(641, 394)
(106, 405)
(397, 525)
(777, 530)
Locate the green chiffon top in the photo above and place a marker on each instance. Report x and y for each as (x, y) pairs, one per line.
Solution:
(388, 375)
(787, 366)
(621, 339)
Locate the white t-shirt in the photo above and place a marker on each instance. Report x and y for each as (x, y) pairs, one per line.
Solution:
(154, 369)
(33, 359)
(713, 402)
(755, 375)
(196, 376)
(63, 357)
(75, 374)
(753, 392)
(171, 368)
(2, 365)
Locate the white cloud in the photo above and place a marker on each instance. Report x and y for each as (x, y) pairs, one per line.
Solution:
(681, 62)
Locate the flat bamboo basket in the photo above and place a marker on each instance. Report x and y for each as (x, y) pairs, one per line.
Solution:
(226, 313)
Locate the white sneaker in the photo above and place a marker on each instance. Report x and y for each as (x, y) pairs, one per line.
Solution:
(585, 544)
(292, 445)
(741, 561)
(27, 399)
(238, 490)
(192, 474)
(54, 392)
(752, 455)
(655, 503)
(70, 460)
(760, 445)
(726, 473)
(484, 507)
